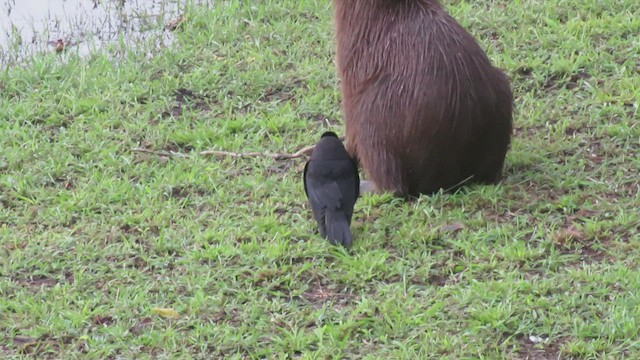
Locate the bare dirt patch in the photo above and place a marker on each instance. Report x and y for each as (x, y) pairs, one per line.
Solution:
(37, 282)
(537, 348)
(320, 293)
(186, 98)
(282, 92)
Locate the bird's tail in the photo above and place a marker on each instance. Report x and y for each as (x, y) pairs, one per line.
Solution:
(338, 231)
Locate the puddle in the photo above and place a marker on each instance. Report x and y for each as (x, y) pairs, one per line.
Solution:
(84, 26)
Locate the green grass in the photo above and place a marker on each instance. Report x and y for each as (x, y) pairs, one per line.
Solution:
(94, 236)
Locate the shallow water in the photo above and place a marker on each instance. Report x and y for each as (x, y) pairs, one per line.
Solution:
(31, 26)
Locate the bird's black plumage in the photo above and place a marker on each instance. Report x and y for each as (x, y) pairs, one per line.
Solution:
(332, 185)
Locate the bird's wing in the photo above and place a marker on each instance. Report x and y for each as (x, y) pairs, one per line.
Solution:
(356, 177)
(327, 194)
(304, 178)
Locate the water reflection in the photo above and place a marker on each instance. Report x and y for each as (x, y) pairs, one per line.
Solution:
(29, 26)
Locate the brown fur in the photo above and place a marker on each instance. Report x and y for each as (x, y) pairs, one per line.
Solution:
(424, 108)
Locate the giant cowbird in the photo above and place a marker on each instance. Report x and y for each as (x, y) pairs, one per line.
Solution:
(332, 185)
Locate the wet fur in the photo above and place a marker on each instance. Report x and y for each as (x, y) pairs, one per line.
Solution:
(424, 108)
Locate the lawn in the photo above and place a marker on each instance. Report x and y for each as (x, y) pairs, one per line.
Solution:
(120, 239)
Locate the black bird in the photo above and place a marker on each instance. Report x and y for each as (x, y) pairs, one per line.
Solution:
(332, 184)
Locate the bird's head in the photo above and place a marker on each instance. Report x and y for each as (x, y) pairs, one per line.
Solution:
(329, 134)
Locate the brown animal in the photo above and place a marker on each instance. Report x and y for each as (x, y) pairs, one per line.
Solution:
(424, 108)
